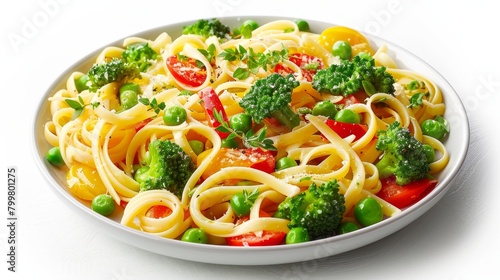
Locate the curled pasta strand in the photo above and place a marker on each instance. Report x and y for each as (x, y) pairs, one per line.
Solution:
(171, 226)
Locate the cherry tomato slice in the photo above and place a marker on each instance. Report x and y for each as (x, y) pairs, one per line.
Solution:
(403, 196)
(345, 129)
(264, 238)
(357, 97)
(282, 69)
(186, 71)
(267, 238)
(158, 211)
(308, 64)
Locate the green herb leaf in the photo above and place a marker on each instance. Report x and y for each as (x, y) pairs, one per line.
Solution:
(246, 31)
(443, 122)
(414, 85)
(417, 99)
(251, 197)
(74, 104)
(258, 140)
(241, 73)
(368, 87)
(209, 52)
(308, 178)
(144, 101)
(255, 61)
(95, 104)
(153, 104)
(223, 129)
(79, 106)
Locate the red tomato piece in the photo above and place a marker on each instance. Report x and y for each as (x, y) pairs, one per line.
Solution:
(123, 203)
(307, 63)
(403, 196)
(265, 238)
(212, 102)
(186, 70)
(158, 211)
(268, 238)
(282, 69)
(345, 129)
(251, 157)
(266, 161)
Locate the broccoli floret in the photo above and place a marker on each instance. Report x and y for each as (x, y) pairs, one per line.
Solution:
(207, 28)
(349, 77)
(318, 209)
(140, 54)
(404, 156)
(271, 97)
(170, 168)
(114, 70)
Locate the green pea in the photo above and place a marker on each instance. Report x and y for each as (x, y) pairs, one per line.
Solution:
(229, 143)
(297, 235)
(251, 23)
(195, 235)
(436, 128)
(240, 204)
(346, 227)
(81, 83)
(129, 95)
(429, 152)
(368, 211)
(130, 86)
(284, 162)
(174, 115)
(54, 157)
(325, 108)
(241, 122)
(197, 146)
(103, 204)
(347, 116)
(128, 99)
(342, 49)
(302, 25)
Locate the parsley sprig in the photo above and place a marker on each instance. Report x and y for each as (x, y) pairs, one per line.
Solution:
(254, 60)
(153, 104)
(419, 91)
(417, 99)
(79, 106)
(249, 139)
(209, 53)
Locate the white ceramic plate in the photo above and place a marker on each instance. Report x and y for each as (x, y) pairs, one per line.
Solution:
(457, 144)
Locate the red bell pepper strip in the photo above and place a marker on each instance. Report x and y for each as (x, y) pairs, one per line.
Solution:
(211, 102)
(345, 129)
(406, 195)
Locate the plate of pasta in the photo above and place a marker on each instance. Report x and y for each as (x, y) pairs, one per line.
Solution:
(248, 141)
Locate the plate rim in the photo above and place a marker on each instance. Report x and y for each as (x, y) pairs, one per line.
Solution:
(238, 255)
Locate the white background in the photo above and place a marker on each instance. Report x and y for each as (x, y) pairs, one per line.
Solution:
(456, 239)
